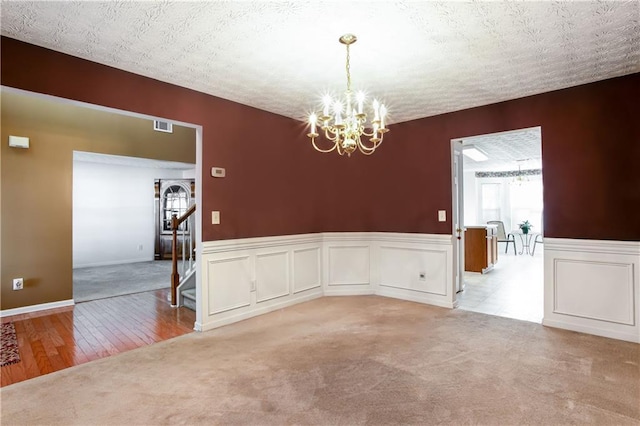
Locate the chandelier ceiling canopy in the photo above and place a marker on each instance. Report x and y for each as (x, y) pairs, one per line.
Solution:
(343, 121)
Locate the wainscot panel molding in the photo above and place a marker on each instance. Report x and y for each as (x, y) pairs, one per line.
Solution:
(306, 269)
(590, 286)
(349, 265)
(36, 308)
(230, 283)
(272, 275)
(593, 287)
(252, 276)
(415, 267)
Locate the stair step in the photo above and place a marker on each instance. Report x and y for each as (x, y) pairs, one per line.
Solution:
(189, 293)
(189, 298)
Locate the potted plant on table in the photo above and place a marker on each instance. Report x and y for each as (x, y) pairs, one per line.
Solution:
(525, 227)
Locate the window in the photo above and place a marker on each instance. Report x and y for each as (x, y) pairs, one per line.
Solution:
(490, 199)
(526, 203)
(175, 200)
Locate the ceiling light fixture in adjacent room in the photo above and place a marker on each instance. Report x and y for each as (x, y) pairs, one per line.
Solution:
(519, 179)
(474, 153)
(343, 121)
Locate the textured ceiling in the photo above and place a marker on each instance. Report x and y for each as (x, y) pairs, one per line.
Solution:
(420, 58)
(506, 151)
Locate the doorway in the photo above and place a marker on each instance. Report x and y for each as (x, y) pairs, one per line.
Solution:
(172, 197)
(499, 188)
(114, 217)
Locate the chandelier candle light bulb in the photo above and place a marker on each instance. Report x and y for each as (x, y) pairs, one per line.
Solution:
(345, 132)
(360, 99)
(312, 122)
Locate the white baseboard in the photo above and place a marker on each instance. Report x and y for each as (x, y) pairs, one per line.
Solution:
(349, 292)
(232, 317)
(596, 331)
(112, 262)
(36, 308)
(414, 297)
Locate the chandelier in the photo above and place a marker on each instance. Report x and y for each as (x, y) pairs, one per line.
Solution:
(519, 178)
(343, 122)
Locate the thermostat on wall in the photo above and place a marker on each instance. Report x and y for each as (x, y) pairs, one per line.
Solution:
(217, 172)
(18, 142)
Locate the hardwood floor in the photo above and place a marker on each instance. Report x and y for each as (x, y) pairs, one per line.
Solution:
(59, 338)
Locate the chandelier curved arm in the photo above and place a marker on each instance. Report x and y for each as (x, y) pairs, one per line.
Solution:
(365, 152)
(375, 145)
(313, 142)
(336, 134)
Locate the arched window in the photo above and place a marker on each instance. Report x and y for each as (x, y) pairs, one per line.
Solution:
(175, 200)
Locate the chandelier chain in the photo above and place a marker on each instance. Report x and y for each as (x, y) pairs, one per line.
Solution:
(348, 70)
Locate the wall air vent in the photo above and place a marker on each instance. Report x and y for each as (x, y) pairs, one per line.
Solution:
(162, 126)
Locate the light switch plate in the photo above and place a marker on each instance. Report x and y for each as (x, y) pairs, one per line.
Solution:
(442, 215)
(218, 172)
(215, 218)
(18, 142)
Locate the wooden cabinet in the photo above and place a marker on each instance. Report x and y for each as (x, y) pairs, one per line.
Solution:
(480, 248)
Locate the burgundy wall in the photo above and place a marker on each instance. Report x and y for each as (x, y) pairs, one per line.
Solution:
(277, 184)
(590, 153)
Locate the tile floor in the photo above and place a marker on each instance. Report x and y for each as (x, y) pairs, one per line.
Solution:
(513, 289)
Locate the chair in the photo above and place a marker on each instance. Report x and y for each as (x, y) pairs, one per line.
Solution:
(503, 237)
(536, 241)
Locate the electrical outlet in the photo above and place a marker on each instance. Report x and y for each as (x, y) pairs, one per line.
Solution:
(18, 283)
(423, 276)
(215, 218)
(253, 285)
(140, 247)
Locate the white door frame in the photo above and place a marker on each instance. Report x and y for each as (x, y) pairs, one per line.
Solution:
(457, 215)
(457, 208)
(198, 172)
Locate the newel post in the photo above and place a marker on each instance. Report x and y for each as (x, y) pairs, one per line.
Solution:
(175, 277)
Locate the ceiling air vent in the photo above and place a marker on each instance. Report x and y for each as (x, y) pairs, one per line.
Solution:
(162, 126)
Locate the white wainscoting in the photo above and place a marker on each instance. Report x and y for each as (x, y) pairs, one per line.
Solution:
(230, 283)
(590, 286)
(347, 264)
(593, 287)
(306, 269)
(272, 275)
(248, 277)
(415, 267)
(253, 276)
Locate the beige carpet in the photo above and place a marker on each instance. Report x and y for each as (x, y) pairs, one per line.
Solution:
(349, 361)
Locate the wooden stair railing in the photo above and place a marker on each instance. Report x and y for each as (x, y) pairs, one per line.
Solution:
(175, 225)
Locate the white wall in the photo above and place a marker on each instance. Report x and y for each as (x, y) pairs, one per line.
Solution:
(113, 213)
(470, 189)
